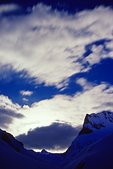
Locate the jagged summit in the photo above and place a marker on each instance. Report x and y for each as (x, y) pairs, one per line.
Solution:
(96, 121)
(95, 128)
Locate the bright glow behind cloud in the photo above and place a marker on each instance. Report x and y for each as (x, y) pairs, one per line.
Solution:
(65, 108)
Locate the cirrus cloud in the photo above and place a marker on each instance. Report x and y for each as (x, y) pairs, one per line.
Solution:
(8, 112)
(50, 45)
(7, 8)
(26, 92)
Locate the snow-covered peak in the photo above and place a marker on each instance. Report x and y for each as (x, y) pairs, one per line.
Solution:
(97, 121)
(95, 128)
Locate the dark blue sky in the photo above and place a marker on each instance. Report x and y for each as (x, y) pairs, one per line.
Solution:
(65, 4)
(71, 6)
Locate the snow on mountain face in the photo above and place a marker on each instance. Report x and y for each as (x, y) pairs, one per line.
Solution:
(95, 127)
(97, 156)
(97, 121)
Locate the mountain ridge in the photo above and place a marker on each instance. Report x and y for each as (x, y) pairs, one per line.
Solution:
(96, 126)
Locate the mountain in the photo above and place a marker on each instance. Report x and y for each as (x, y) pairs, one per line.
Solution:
(13, 155)
(91, 149)
(95, 127)
(92, 142)
(97, 156)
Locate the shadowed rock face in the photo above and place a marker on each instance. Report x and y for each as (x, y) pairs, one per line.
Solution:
(86, 130)
(9, 139)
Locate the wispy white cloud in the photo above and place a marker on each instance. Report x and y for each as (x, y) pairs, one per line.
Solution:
(84, 83)
(8, 112)
(99, 53)
(25, 99)
(7, 103)
(5, 8)
(26, 92)
(50, 45)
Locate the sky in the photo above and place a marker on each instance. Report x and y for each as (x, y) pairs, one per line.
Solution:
(56, 66)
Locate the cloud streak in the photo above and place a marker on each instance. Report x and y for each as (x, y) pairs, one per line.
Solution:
(50, 45)
(8, 8)
(26, 93)
(8, 112)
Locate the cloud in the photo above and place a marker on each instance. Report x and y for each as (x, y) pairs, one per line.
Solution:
(8, 112)
(50, 45)
(7, 116)
(84, 83)
(25, 99)
(26, 93)
(6, 102)
(55, 136)
(8, 8)
(100, 52)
